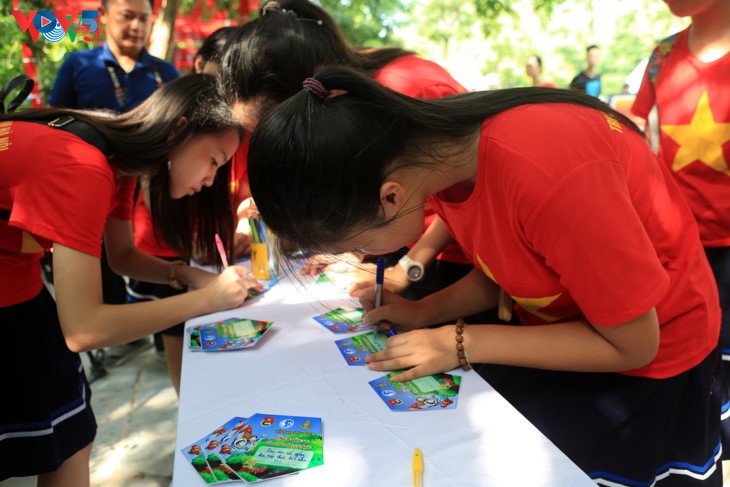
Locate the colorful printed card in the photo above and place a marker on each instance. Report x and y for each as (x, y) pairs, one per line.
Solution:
(434, 392)
(355, 349)
(202, 457)
(195, 342)
(233, 334)
(339, 279)
(270, 446)
(218, 447)
(343, 320)
(195, 456)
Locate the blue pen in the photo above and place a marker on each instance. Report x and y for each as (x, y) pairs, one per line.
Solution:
(379, 274)
(262, 232)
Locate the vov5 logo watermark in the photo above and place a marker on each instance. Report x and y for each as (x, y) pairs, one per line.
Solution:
(54, 25)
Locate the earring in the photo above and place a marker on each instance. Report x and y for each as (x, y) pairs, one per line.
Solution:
(169, 164)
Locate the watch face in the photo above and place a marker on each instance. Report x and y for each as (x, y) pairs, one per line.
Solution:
(414, 273)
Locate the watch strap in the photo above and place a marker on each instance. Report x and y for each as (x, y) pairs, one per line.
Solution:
(407, 264)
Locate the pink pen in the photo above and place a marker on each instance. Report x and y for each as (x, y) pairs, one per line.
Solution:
(221, 250)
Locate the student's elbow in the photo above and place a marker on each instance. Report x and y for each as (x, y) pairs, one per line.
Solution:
(116, 263)
(641, 344)
(78, 344)
(77, 340)
(644, 355)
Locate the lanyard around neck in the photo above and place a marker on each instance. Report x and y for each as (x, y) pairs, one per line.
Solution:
(120, 91)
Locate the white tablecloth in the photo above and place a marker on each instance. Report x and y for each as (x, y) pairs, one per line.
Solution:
(296, 369)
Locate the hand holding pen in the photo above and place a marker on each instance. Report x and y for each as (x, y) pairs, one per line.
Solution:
(237, 274)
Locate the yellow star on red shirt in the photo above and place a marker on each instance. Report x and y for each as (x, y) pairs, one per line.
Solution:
(531, 305)
(701, 140)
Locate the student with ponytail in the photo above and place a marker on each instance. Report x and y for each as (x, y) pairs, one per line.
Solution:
(265, 62)
(66, 178)
(561, 205)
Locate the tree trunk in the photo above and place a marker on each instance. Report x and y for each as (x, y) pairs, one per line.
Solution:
(163, 31)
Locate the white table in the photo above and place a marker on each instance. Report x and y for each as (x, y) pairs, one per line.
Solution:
(297, 370)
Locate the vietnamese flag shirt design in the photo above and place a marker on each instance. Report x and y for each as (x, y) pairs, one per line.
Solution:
(693, 100)
(575, 218)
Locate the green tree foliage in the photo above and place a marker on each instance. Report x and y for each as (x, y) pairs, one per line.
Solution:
(487, 37)
(490, 49)
(11, 57)
(47, 56)
(447, 21)
(490, 12)
(369, 23)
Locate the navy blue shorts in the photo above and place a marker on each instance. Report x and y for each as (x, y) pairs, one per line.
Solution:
(622, 430)
(719, 258)
(45, 411)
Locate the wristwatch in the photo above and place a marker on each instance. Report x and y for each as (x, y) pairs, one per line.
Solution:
(414, 270)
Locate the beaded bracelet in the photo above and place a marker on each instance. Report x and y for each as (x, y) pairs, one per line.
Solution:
(460, 350)
(172, 279)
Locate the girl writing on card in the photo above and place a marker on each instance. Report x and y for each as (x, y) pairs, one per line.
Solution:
(562, 206)
(66, 178)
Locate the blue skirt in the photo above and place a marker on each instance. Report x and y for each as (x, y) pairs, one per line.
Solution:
(719, 258)
(622, 430)
(45, 412)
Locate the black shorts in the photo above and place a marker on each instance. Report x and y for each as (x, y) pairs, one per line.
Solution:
(622, 430)
(45, 411)
(719, 258)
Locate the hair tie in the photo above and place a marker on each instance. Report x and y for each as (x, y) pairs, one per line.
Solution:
(316, 87)
(271, 7)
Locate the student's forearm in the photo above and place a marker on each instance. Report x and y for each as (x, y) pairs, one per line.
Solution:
(124, 257)
(105, 325)
(472, 294)
(572, 346)
(141, 266)
(148, 268)
(433, 241)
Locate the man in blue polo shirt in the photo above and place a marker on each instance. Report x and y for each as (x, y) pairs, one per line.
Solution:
(589, 80)
(119, 75)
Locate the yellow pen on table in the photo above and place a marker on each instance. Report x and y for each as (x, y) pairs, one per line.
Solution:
(417, 468)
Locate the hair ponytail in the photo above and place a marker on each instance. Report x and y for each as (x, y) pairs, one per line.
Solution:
(316, 163)
(268, 58)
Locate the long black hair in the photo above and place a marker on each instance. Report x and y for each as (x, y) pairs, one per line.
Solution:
(316, 165)
(140, 143)
(212, 47)
(268, 58)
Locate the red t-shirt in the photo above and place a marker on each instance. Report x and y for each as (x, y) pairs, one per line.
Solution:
(145, 238)
(59, 189)
(573, 216)
(239, 173)
(419, 78)
(693, 101)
